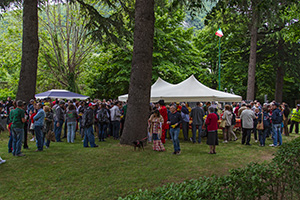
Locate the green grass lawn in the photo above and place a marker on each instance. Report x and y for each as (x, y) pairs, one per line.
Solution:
(69, 171)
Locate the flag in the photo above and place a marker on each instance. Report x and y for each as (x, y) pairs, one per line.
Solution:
(219, 33)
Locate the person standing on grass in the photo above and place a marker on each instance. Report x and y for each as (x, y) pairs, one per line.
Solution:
(164, 113)
(1, 160)
(233, 123)
(267, 124)
(295, 119)
(38, 126)
(26, 126)
(18, 120)
(71, 123)
(286, 113)
(185, 121)
(87, 123)
(103, 120)
(155, 129)
(212, 130)
(59, 120)
(276, 125)
(48, 125)
(247, 117)
(197, 115)
(115, 115)
(174, 121)
(227, 116)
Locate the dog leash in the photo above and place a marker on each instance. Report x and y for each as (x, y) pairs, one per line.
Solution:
(138, 141)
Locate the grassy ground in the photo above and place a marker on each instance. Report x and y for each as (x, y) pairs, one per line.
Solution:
(69, 171)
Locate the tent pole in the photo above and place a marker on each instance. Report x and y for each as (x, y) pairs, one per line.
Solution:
(219, 63)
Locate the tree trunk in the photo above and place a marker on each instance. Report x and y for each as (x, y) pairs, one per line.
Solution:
(141, 73)
(253, 48)
(280, 72)
(279, 84)
(30, 51)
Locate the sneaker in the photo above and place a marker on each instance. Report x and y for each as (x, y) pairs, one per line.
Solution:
(32, 140)
(191, 139)
(235, 139)
(256, 141)
(272, 145)
(174, 153)
(178, 152)
(2, 161)
(20, 155)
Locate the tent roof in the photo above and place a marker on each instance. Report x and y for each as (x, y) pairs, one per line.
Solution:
(189, 90)
(159, 85)
(62, 94)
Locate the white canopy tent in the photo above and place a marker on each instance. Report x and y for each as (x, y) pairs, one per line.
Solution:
(158, 86)
(189, 90)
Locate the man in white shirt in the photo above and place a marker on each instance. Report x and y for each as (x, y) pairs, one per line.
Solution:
(115, 116)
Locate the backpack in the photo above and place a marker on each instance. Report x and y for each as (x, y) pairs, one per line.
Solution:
(233, 120)
(280, 116)
(103, 116)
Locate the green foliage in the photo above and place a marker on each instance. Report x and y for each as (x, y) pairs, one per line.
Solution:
(276, 180)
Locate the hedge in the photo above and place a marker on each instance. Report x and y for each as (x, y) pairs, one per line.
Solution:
(278, 179)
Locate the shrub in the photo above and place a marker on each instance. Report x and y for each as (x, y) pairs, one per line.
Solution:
(277, 180)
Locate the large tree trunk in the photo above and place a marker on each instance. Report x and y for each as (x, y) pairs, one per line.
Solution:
(30, 51)
(279, 84)
(141, 73)
(253, 48)
(280, 72)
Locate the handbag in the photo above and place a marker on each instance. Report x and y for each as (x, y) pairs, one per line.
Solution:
(260, 126)
(204, 133)
(223, 123)
(50, 136)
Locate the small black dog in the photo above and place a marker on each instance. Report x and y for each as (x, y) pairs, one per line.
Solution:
(139, 144)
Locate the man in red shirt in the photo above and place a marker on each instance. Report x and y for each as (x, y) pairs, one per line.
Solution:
(164, 113)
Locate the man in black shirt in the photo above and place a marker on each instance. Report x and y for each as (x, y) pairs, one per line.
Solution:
(174, 121)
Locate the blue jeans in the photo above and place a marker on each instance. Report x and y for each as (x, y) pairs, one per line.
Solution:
(102, 128)
(89, 137)
(39, 137)
(57, 130)
(277, 134)
(10, 141)
(71, 131)
(174, 132)
(194, 130)
(262, 136)
(116, 129)
(17, 135)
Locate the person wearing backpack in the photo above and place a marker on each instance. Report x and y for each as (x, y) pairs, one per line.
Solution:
(103, 120)
(276, 125)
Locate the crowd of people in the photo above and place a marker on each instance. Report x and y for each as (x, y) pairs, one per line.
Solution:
(47, 119)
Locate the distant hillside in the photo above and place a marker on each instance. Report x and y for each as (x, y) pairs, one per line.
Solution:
(197, 21)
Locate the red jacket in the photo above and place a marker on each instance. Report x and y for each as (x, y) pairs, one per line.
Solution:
(31, 117)
(164, 113)
(212, 122)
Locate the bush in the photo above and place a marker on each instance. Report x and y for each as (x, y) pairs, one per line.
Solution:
(277, 180)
